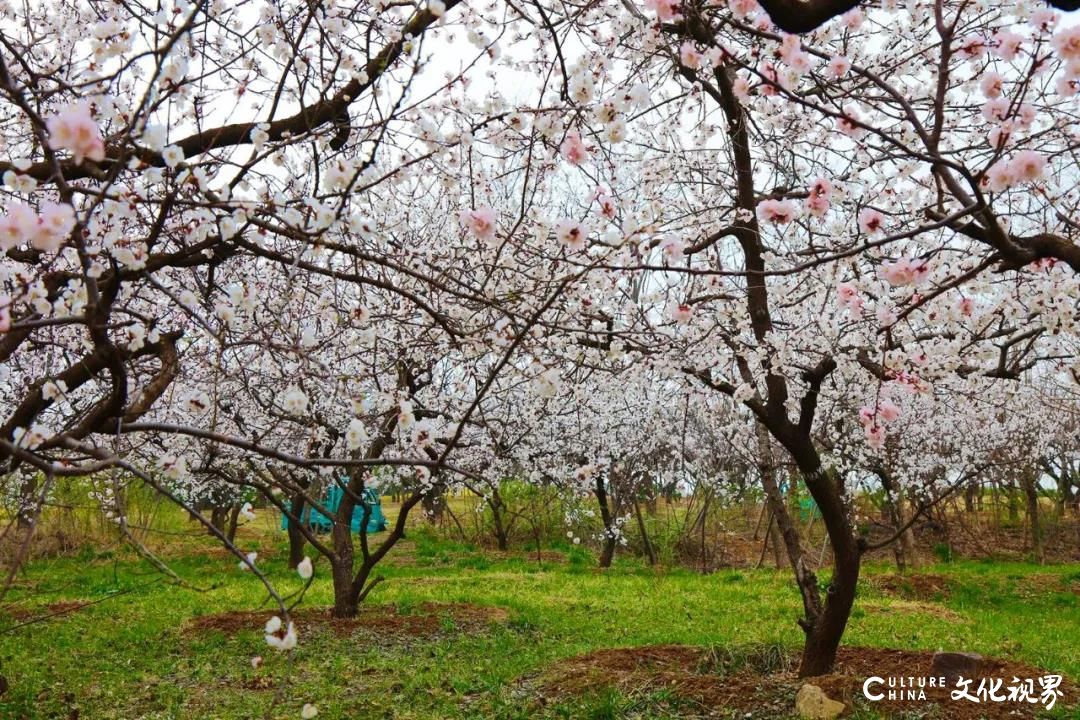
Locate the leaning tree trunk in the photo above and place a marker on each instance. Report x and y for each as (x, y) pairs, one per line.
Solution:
(826, 620)
(649, 551)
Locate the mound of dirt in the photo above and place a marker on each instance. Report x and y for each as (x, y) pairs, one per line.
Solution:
(917, 586)
(763, 681)
(381, 621)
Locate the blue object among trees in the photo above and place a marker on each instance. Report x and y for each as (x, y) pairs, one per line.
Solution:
(319, 522)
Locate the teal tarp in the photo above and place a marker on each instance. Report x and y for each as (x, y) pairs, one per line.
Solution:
(321, 523)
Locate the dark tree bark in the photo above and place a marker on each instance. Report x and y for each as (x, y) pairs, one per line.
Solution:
(803, 16)
(234, 520)
(498, 521)
(607, 551)
(297, 541)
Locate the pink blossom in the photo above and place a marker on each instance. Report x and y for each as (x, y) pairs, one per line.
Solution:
(665, 9)
(680, 313)
(771, 87)
(875, 436)
(608, 208)
(846, 292)
(776, 211)
(853, 19)
(5, 313)
(799, 63)
(74, 129)
(1028, 166)
(55, 223)
(904, 271)
(1000, 176)
(18, 226)
(822, 188)
(847, 296)
(913, 382)
(674, 249)
(885, 316)
(838, 67)
(966, 306)
(970, 47)
(789, 45)
(1026, 115)
(743, 8)
(816, 205)
(887, 410)
(999, 136)
(870, 220)
(480, 222)
(1044, 264)
(848, 122)
(991, 84)
(1066, 42)
(689, 55)
(573, 148)
(996, 109)
(1044, 19)
(1007, 44)
(741, 88)
(571, 234)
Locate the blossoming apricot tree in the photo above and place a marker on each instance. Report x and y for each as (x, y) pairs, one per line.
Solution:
(278, 246)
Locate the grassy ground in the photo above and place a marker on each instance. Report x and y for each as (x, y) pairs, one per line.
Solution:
(135, 655)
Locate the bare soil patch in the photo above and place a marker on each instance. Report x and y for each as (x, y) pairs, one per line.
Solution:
(382, 621)
(916, 586)
(763, 681)
(913, 607)
(52, 609)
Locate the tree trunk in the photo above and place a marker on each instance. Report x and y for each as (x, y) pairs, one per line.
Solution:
(826, 621)
(776, 541)
(433, 504)
(496, 505)
(824, 634)
(27, 500)
(1031, 493)
(607, 553)
(234, 520)
(297, 541)
(345, 606)
(903, 549)
(218, 515)
(1014, 503)
(649, 552)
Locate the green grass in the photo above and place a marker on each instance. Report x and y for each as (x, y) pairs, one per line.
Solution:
(130, 656)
